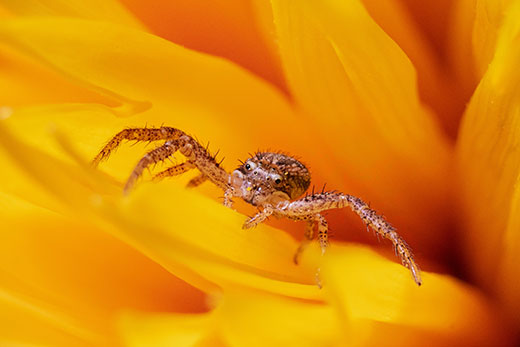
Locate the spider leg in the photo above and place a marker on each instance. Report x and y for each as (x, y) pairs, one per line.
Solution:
(228, 194)
(308, 236)
(155, 156)
(137, 134)
(197, 157)
(323, 229)
(317, 203)
(174, 170)
(259, 217)
(197, 181)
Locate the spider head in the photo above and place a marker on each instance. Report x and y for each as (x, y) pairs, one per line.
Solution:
(270, 178)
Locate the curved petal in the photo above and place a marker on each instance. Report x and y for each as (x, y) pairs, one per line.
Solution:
(25, 81)
(360, 95)
(369, 289)
(277, 321)
(105, 10)
(489, 167)
(262, 259)
(436, 86)
(64, 280)
(222, 28)
(489, 17)
(145, 329)
(145, 71)
(473, 37)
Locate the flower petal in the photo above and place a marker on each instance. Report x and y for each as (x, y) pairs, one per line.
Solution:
(258, 319)
(188, 89)
(224, 254)
(360, 96)
(366, 286)
(224, 28)
(489, 167)
(64, 280)
(436, 87)
(25, 81)
(145, 329)
(106, 10)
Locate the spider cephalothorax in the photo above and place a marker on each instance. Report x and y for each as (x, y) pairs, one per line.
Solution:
(272, 182)
(272, 177)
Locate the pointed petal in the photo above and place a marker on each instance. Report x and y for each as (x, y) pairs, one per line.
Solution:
(436, 87)
(223, 28)
(473, 37)
(360, 95)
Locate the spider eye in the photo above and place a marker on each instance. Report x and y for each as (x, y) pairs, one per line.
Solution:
(250, 166)
(277, 179)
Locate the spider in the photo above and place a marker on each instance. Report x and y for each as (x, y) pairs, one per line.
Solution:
(272, 182)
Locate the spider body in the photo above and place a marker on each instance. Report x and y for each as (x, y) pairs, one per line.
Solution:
(271, 177)
(272, 182)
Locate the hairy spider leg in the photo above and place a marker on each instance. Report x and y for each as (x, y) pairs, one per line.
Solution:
(153, 157)
(308, 237)
(259, 217)
(313, 204)
(174, 170)
(137, 134)
(197, 180)
(323, 232)
(197, 157)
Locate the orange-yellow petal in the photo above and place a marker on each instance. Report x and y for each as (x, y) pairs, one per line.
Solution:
(472, 39)
(489, 167)
(224, 28)
(436, 87)
(104, 10)
(360, 96)
(224, 254)
(138, 329)
(62, 280)
(25, 81)
(370, 301)
(145, 71)
(379, 295)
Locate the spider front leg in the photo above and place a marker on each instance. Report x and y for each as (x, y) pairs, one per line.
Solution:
(308, 236)
(259, 217)
(197, 156)
(155, 156)
(317, 203)
(137, 134)
(174, 171)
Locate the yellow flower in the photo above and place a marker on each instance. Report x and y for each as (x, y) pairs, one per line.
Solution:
(331, 81)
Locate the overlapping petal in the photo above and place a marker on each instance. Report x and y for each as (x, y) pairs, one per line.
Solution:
(223, 254)
(489, 165)
(61, 280)
(105, 10)
(224, 28)
(436, 86)
(360, 95)
(355, 96)
(176, 81)
(371, 304)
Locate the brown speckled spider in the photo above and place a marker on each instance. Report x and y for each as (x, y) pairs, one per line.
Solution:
(272, 182)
